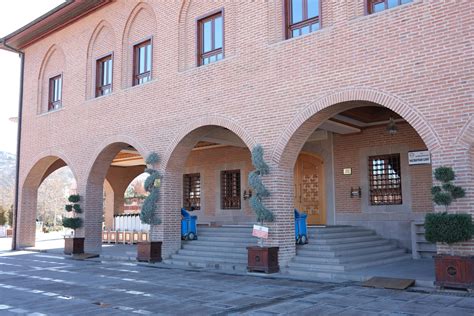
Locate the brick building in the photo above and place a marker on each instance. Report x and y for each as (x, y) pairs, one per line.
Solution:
(338, 93)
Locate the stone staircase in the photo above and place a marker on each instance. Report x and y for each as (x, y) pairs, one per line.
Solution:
(222, 248)
(335, 251)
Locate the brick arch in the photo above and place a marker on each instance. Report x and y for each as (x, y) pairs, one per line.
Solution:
(182, 47)
(187, 137)
(42, 166)
(94, 52)
(128, 40)
(94, 186)
(53, 52)
(306, 121)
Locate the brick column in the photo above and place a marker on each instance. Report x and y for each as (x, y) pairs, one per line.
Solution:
(281, 232)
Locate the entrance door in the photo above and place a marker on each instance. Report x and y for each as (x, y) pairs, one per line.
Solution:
(309, 188)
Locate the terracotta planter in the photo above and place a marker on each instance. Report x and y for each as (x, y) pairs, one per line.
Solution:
(454, 271)
(149, 251)
(263, 259)
(73, 245)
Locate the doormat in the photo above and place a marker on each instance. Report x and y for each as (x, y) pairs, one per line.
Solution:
(389, 283)
(84, 256)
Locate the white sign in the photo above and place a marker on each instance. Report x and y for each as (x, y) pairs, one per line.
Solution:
(422, 157)
(260, 231)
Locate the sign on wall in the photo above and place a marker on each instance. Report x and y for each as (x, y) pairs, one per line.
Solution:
(260, 231)
(421, 157)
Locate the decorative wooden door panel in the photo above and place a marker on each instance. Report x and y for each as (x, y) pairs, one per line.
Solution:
(309, 188)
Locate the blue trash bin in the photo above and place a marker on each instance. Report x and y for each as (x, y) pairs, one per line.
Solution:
(188, 225)
(301, 234)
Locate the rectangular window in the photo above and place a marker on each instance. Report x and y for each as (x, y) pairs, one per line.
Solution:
(385, 182)
(103, 76)
(142, 57)
(55, 93)
(211, 39)
(230, 189)
(302, 16)
(192, 191)
(374, 6)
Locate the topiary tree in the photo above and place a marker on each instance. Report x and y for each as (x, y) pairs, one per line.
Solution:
(443, 227)
(255, 182)
(152, 185)
(447, 192)
(3, 216)
(73, 221)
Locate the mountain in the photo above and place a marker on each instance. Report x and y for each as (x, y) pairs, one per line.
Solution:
(7, 178)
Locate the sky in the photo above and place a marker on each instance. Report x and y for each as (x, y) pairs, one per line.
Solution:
(13, 15)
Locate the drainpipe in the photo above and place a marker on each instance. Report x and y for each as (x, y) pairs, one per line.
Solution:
(18, 140)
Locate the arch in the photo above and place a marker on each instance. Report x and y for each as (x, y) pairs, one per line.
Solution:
(304, 123)
(182, 47)
(465, 137)
(102, 27)
(149, 30)
(43, 165)
(53, 52)
(96, 175)
(202, 122)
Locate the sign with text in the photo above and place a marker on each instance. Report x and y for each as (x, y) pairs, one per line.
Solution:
(260, 231)
(422, 157)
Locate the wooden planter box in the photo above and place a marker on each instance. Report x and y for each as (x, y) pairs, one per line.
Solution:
(149, 251)
(9, 232)
(74, 245)
(263, 259)
(454, 271)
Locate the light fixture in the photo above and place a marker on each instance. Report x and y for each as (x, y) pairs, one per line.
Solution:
(392, 128)
(247, 194)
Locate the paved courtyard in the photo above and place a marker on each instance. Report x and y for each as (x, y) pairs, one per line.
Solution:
(38, 283)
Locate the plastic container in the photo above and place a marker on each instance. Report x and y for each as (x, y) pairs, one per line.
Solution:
(301, 231)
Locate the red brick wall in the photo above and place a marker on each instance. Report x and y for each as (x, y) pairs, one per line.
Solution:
(209, 163)
(346, 155)
(265, 87)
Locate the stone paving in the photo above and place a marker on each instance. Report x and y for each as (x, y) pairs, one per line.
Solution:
(50, 284)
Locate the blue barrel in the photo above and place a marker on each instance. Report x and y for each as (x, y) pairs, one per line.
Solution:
(301, 234)
(188, 226)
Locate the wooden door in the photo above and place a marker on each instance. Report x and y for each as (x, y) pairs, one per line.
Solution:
(309, 188)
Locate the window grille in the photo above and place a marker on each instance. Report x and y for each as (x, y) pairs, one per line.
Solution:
(385, 182)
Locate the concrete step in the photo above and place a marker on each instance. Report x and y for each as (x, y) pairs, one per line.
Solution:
(351, 234)
(227, 266)
(344, 260)
(180, 257)
(334, 229)
(220, 248)
(345, 240)
(344, 246)
(225, 242)
(214, 253)
(224, 234)
(362, 265)
(340, 253)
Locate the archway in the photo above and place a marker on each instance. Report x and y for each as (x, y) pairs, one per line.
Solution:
(377, 167)
(53, 179)
(205, 172)
(114, 167)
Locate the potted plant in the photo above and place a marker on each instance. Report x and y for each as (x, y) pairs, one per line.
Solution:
(260, 258)
(150, 251)
(73, 244)
(451, 270)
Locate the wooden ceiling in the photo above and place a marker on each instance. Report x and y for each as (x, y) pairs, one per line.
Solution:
(370, 114)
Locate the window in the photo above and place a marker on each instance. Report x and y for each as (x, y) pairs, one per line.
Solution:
(385, 183)
(55, 91)
(192, 191)
(374, 6)
(302, 17)
(230, 189)
(142, 57)
(103, 76)
(211, 39)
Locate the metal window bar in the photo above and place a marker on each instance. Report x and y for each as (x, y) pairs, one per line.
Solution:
(230, 189)
(192, 191)
(385, 183)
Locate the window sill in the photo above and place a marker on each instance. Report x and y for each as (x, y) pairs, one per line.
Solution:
(203, 67)
(50, 112)
(321, 31)
(398, 7)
